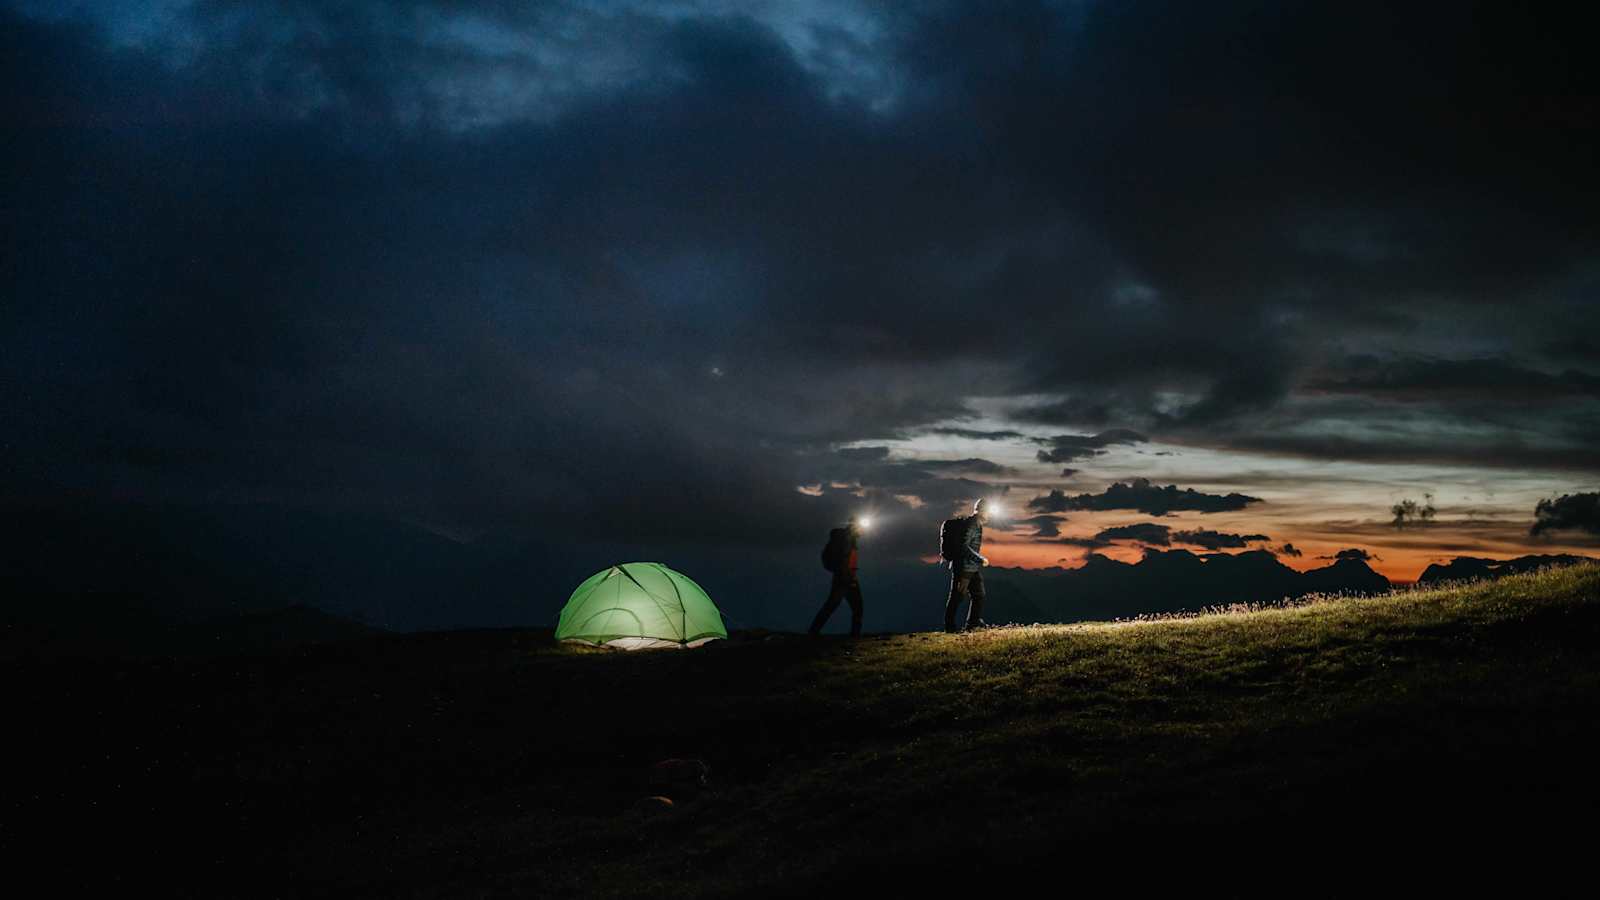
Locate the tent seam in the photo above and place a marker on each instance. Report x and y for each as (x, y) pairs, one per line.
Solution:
(683, 611)
(658, 601)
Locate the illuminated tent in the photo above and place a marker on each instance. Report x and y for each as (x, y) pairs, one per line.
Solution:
(640, 604)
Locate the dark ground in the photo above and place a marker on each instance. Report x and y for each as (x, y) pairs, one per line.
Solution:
(1422, 741)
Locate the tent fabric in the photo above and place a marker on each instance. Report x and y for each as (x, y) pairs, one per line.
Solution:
(637, 605)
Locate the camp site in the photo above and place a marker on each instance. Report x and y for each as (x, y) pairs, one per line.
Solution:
(799, 448)
(513, 763)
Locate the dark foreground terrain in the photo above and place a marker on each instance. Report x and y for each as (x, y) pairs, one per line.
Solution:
(1424, 740)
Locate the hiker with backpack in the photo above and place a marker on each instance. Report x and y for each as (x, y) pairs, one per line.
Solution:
(839, 557)
(960, 539)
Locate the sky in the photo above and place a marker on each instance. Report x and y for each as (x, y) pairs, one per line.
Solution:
(1210, 276)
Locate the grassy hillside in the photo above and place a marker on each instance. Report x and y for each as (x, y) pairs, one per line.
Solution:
(1449, 732)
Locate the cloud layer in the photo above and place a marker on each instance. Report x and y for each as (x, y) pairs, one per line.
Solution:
(1139, 494)
(651, 272)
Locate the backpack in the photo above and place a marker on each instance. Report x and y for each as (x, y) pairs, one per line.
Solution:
(836, 549)
(953, 538)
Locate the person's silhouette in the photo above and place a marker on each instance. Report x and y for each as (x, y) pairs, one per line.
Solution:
(839, 557)
(966, 571)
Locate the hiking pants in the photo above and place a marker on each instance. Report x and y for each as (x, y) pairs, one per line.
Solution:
(970, 585)
(845, 587)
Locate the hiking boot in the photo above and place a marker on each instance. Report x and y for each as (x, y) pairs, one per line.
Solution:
(950, 628)
(976, 624)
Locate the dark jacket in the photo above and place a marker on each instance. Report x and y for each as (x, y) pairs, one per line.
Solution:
(842, 544)
(971, 559)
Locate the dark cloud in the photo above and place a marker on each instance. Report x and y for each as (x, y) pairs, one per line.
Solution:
(1569, 512)
(1054, 502)
(1572, 348)
(978, 435)
(1044, 526)
(1288, 550)
(864, 453)
(1070, 411)
(1145, 497)
(1147, 532)
(1071, 447)
(1164, 536)
(969, 466)
(344, 304)
(1429, 380)
(1216, 540)
(1572, 443)
(632, 274)
(1068, 471)
(1088, 543)
(1354, 553)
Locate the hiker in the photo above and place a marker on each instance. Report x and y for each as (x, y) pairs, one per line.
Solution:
(960, 540)
(839, 557)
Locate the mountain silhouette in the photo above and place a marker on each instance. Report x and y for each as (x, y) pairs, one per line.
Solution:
(1344, 576)
(106, 578)
(1478, 567)
(1169, 581)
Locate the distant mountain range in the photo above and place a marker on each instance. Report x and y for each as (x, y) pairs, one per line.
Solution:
(1477, 567)
(264, 576)
(1178, 581)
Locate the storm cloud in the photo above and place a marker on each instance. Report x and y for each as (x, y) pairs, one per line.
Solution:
(978, 434)
(1216, 540)
(1156, 534)
(1147, 533)
(969, 466)
(1056, 501)
(1144, 497)
(1073, 447)
(1043, 526)
(1430, 380)
(638, 271)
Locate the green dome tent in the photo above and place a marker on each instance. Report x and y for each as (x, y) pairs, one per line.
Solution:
(640, 604)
